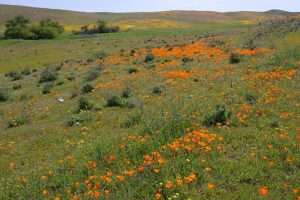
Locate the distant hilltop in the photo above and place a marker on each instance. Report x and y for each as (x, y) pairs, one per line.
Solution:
(74, 17)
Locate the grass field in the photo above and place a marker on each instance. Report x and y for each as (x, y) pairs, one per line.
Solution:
(158, 112)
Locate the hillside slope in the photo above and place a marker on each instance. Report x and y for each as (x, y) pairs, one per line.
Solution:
(73, 17)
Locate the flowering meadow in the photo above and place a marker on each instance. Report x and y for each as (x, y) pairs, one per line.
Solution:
(182, 115)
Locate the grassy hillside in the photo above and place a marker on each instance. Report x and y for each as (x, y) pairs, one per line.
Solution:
(196, 111)
(71, 17)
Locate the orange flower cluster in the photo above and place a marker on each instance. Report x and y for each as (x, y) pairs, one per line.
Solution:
(275, 75)
(244, 112)
(271, 94)
(263, 191)
(251, 52)
(176, 74)
(189, 50)
(196, 140)
(155, 157)
(189, 179)
(109, 85)
(115, 60)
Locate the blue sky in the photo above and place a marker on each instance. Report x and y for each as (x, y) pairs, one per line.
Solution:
(157, 5)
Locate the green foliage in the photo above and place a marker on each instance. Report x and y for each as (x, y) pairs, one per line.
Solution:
(19, 121)
(20, 28)
(132, 70)
(14, 76)
(47, 87)
(87, 89)
(84, 104)
(219, 116)
(115, 101)
(101, 27)
(234, 58)
(132, 120)
(149, 58)
(3, 95)
(250, 99)
(126, 93)
(93, 74)
(78, 119)
(157, 90)
(47, 75)
(17, 86)
(26, 72)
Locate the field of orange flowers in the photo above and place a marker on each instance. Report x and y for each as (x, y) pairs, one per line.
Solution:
(167, 120)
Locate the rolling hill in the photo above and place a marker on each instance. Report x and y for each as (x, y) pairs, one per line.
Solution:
(73, 17)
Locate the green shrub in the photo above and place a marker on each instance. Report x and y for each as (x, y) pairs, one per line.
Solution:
(93, 74)
(101, 27)
(47, 29)
(26, 72)
(14, 76)
(60, 83)
(219, 116)
(132, 120)
(186, 60)
(78, 119)
(19, 121)
(132, 103)
(71, 77)
(3, 95)
(84, 104)
(87, 89)
(132, 70)
(114, 101)
(47, 76)
(157, 90)
(20, 28)
(234, 58)
(126, 93)
(149, 58)
(47, 88)
(250, 99)
(17, 86)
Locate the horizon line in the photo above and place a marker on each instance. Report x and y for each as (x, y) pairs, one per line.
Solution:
(152, 11)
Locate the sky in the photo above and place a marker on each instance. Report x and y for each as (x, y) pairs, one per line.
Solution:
(159, 5)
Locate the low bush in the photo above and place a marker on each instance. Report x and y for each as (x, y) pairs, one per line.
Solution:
(84, 104)
(149, 58)
(17, 86)
(132, 70)
(250, 99)
(219, 116)
(78, 119)
(26, 72)
(132, 120)
(19, 121)
(126, 93)
(87, 89)
(101, 27)
(14, 76)
(47, 88)
(93, 74)
(3, 95)
(47, 75)
(115, 101)
(234, 58)
(157, 90)
(20, 28)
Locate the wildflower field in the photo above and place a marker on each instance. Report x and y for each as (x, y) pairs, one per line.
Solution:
(167, 113)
